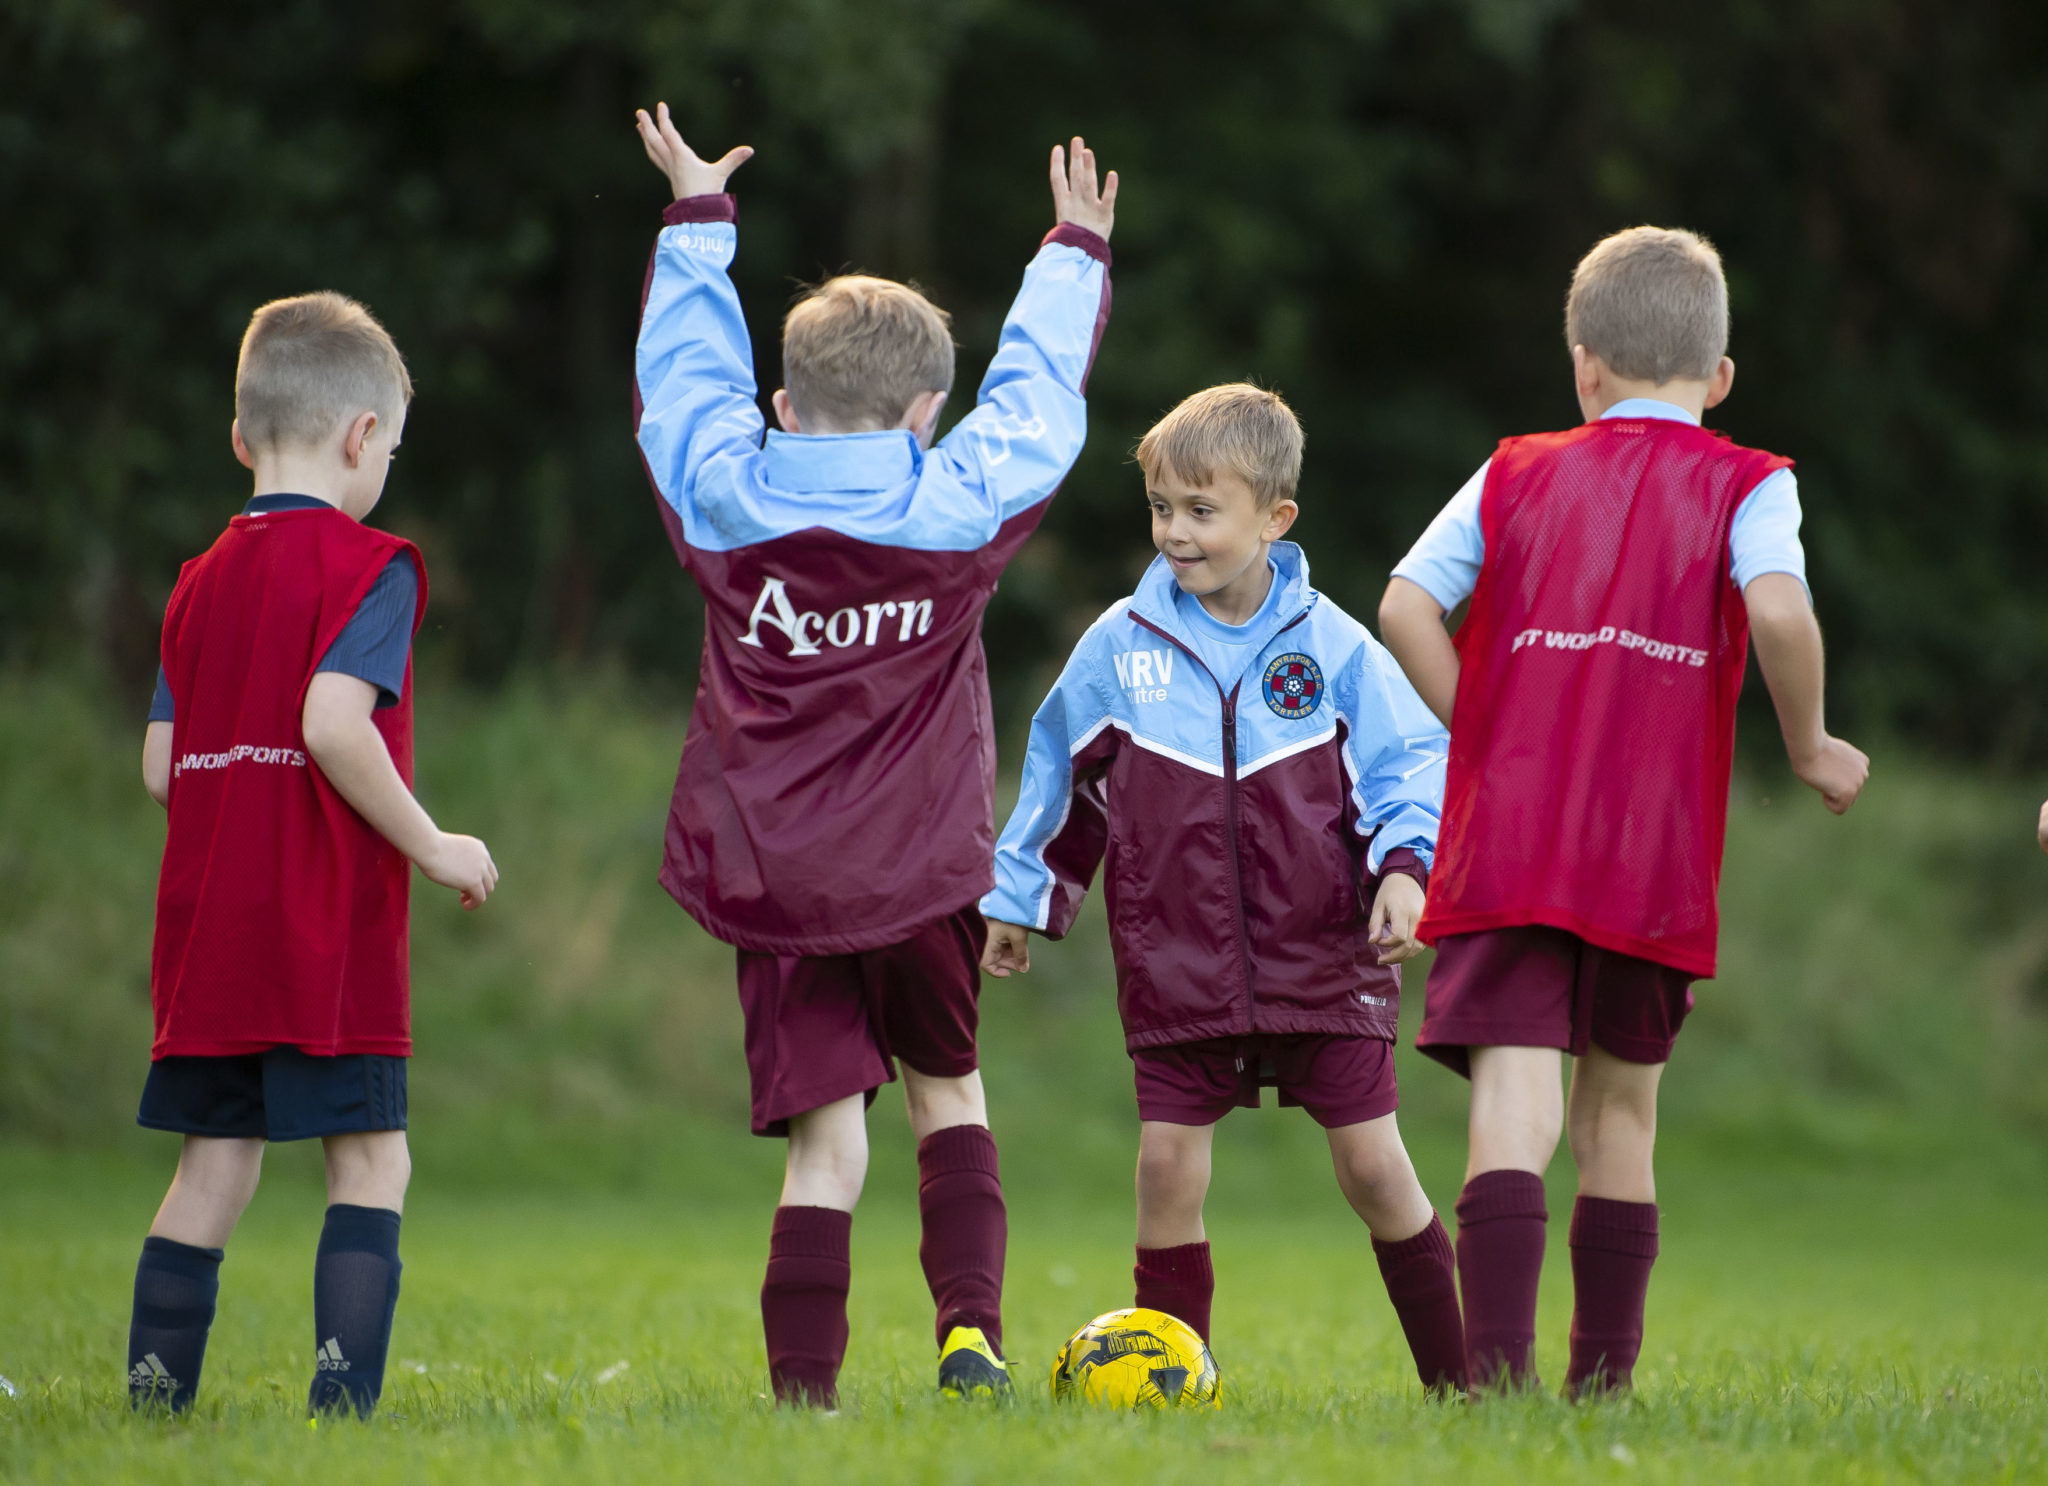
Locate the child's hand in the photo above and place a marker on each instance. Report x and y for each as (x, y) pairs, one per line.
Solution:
(1396, 910)
(687, 174)
(1008, 948)
(1076, 197)
(463, 863)
(1838, 770)
(2041, 832)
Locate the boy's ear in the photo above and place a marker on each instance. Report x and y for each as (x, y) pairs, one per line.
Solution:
(922, 416)
(785, 410)
(1587, 370)
(241, 449)
(358, 434)
(1279, 519)
(1721, 383)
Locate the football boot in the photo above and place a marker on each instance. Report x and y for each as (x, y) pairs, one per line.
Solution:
(970, 1368)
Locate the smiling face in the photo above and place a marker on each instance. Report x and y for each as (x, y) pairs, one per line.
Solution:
(1214, 537)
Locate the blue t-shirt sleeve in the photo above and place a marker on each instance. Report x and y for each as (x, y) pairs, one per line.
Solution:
(160, 707)
(377, 640)
(1444, 562)
(1764, 537)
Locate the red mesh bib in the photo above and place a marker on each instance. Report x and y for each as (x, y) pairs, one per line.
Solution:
(1594, 727)
(281, 915)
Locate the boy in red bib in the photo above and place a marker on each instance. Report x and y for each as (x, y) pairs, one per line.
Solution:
(280, 743)
(1617, 572)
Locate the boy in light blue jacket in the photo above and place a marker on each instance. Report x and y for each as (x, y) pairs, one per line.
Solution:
(1264, 785)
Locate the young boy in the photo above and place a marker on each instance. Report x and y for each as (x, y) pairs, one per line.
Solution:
(833, 813)
(280, 742)
(1616, 572)
(1255, 769)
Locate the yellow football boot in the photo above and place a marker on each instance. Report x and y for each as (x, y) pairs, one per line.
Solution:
(970, 1368)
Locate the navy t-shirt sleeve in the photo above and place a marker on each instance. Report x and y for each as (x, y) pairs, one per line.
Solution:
(373, 646)
(377, 640)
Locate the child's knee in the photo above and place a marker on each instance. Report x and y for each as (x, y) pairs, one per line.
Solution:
(828, 1168)
(935, 1103)
(1374, 1168)
(1173, 1166)
(375, 1165)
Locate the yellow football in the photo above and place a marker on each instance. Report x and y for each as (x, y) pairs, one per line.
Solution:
(1136, 1358)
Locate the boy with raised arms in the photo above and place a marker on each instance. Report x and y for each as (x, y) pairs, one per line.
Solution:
(1617, 572)
(833, 812)
(1255, 771)
(280, 743)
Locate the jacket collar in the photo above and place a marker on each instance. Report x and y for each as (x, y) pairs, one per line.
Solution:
(1153, 602)
(819, 462)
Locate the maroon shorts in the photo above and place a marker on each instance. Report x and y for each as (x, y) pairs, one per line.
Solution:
(1338, 1080)
(1535, 986)
(821, 1027)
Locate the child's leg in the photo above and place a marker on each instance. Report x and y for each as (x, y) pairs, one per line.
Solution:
(1408, 1239)
(178, 1277)
(1173, 1272)
(1613, 1124)
(1517, 1115)
(356, 1268)
(803, 1297)
(960, 1200)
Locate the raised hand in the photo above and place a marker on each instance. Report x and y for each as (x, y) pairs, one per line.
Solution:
(688, 174)
(1008, 949)
(1076, 195)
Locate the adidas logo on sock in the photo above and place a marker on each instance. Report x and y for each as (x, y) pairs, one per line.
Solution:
(329, 1358)
(150, 1373)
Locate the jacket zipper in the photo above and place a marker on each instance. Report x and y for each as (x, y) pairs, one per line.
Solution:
(1244, 935)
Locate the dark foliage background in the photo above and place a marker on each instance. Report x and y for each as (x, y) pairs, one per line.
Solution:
(1372, 205)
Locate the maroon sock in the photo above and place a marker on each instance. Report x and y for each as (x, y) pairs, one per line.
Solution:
(1501, 1217)
(966, 1227)
(1178, 1281)
(1422, 1282)
(803, 1302)
(1613, 1246)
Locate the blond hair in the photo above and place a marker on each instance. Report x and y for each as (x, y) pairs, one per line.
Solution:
(856, 351)
(1239, 428)
(311, 363)
(1652, 304)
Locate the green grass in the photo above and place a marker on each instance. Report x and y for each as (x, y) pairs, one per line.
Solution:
(1878, 1325)
(1852, 1174)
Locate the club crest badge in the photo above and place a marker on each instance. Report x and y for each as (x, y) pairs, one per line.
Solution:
(1293, 685)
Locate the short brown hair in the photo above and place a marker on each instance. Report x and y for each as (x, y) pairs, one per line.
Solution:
(1652, 304)
(310, 363)
(857, 351)
(1237, 427)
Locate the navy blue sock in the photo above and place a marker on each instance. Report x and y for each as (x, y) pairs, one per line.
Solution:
(175, 1289)
(355, 1292)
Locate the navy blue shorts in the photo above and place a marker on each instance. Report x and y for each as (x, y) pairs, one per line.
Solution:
(278, 1094)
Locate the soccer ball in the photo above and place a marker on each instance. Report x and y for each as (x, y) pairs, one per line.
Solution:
(1137, 1358)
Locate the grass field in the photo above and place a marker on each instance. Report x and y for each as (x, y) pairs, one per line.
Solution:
(1852, 1285)
(1805, 1325)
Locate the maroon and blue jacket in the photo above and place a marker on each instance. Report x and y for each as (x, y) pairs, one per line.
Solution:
(1245, 815)
(836, 789)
